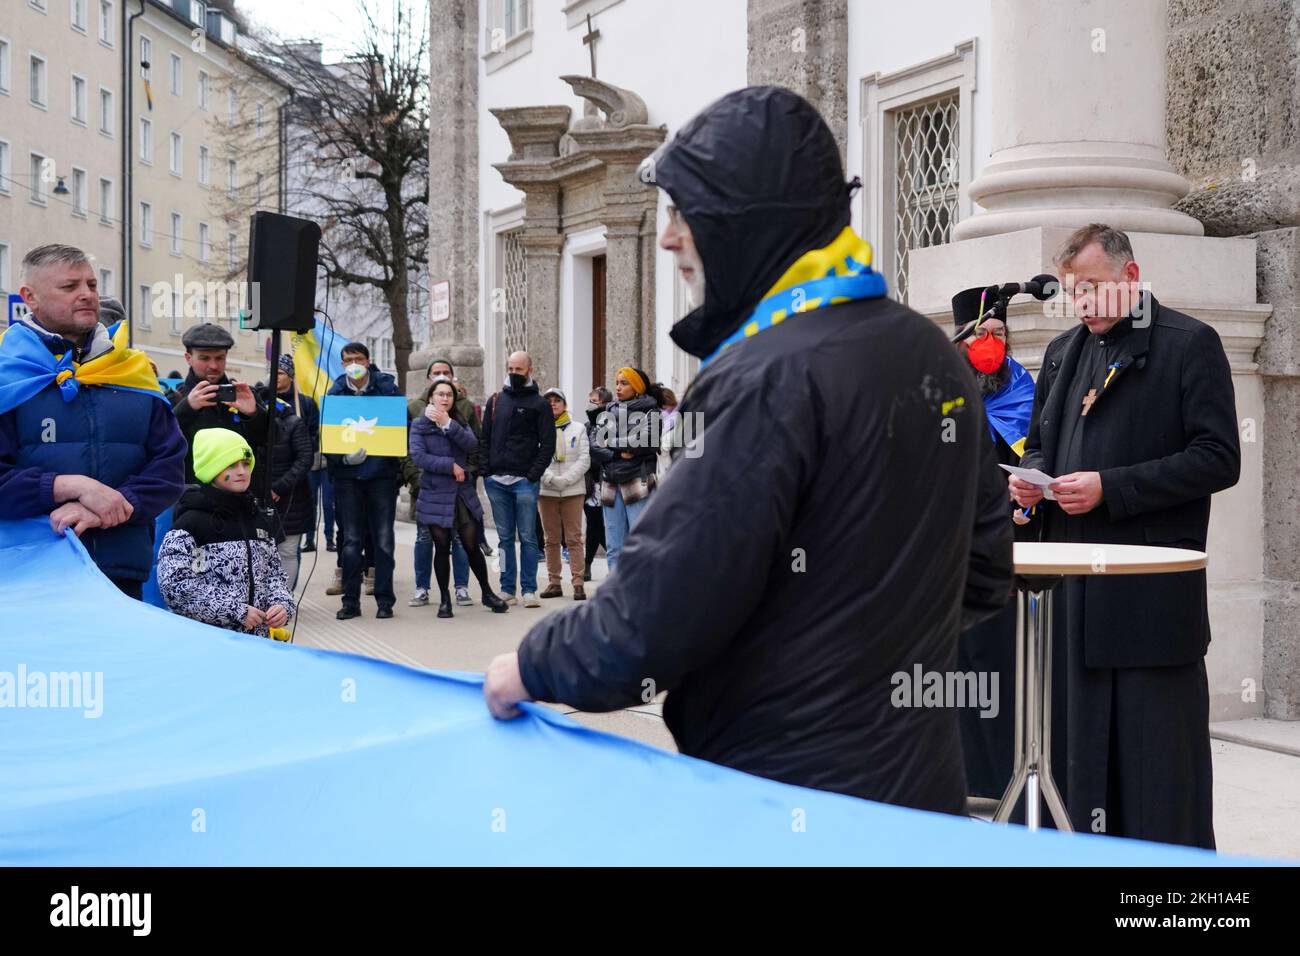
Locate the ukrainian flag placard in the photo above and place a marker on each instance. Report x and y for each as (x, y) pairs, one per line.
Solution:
(376, 423)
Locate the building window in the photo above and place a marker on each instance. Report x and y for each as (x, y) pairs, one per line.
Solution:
(203, 90)
(261, 121)
(514, 276)
(78, 15)
(509, 34)
(515, 17)
(146, 56)
(232, 106)
(4, 66)
(79, 99)
(178, 311)
(175, 154)
(926, 191)
(144, 315)
(917, 154)
(79, 189)
(106, 282)
(232, 177)
(146, 225)
(36, 85)
(260, 181)
(4, 167)
(37, 170)
(205, 167)
(4, 267)
(146, 141)
(106, 111)
(232, 248)
(38, 4)
(176, 74)
(204, 248)
(105, 201)
(176, 234)
(106, 22)
(198, 12)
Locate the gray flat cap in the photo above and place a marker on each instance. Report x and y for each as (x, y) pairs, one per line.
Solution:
(206, 336)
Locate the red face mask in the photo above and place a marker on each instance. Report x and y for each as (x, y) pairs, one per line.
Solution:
(987, 354)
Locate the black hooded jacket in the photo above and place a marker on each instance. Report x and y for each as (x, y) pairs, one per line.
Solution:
(836, 523)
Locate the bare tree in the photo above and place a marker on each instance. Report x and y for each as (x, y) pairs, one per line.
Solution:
(356, 158)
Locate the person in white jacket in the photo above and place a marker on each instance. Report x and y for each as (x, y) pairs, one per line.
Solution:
(563, 488)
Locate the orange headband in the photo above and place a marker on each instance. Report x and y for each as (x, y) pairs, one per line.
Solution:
(633, 379)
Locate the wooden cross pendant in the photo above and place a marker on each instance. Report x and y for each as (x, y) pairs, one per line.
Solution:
(1088, 400)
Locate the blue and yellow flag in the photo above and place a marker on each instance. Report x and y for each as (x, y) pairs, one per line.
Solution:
(27, 366)
(317, 361)
(1008, 409)
(376, 423)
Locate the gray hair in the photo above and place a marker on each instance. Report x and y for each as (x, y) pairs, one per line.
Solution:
(1113, 242)
(48, 255)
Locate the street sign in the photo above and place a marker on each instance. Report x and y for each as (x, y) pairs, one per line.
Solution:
(440, 295)
(17, 308)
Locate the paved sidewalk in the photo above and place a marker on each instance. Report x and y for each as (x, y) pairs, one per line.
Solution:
(1256, 790)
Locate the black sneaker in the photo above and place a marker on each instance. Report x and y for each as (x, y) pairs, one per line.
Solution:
(307, 547)
(347, 612)
(384, 612)
(329, 546)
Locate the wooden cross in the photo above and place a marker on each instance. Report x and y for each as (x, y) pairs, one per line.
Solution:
(1088, 400)
(590, 40)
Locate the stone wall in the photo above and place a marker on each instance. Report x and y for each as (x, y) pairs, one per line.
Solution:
(803, 45)
(1233, 124)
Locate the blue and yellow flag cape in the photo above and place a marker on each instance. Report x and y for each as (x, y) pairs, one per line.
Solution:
(840, 272)
(317, 361)
(27, 366)
(1008, 409)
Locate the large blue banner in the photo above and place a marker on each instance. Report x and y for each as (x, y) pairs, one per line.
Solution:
(132, 736)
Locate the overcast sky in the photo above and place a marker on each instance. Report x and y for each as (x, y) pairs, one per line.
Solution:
(334, 22)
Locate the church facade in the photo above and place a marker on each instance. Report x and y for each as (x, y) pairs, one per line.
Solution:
(978, 151)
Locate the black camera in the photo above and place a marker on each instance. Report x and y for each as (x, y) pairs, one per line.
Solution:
(226, 394)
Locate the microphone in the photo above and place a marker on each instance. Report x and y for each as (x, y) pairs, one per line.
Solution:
(1041, 287)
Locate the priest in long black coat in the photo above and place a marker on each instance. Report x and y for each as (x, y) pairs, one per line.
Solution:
(1134, 413)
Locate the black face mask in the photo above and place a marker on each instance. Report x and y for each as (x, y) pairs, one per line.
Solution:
(518, 381)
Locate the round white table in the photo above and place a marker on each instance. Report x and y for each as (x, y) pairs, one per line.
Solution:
(1040, 567)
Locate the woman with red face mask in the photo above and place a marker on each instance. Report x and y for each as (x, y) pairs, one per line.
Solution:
(1007, 391)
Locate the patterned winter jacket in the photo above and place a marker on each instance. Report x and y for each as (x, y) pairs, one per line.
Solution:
(220, 558)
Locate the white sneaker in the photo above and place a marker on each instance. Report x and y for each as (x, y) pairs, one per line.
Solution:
(530, 599)
(421, 598)
(463, 598)
(510, 599)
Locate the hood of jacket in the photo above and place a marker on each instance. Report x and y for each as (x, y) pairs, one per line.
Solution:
(759, 179)
(210, 514)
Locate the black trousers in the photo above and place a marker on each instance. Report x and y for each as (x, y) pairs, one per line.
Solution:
(132, 589)
(595, 530)
(366, 507)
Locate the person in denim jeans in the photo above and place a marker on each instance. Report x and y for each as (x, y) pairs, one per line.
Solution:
(518, 444)
(627, 447)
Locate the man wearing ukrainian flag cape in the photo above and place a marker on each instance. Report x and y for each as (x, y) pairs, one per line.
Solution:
(86, 435)
(838, 517)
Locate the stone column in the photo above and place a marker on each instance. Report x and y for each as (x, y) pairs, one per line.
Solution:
(803, 45)
(535, 133)
(1078, 131)
(453, 192)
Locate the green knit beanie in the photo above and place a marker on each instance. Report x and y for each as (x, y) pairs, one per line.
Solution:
(215, 449)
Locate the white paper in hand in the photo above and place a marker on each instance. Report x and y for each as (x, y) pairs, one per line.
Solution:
(1034, 477)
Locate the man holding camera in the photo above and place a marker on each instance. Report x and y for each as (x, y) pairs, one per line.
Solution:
(208, 399)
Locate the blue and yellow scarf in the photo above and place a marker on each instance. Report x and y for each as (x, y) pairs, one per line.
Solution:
(27, 366)
(840, 272)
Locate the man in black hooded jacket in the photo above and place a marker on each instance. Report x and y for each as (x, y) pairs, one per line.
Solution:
(837, 522)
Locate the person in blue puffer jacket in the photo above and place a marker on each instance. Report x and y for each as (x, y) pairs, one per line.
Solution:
(441, 445)
(86, 435)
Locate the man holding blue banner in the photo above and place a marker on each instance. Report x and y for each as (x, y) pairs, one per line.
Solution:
(86, 435)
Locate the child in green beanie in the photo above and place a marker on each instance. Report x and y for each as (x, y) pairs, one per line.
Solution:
(219, 562)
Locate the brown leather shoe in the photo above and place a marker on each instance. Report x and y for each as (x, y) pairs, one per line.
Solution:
(579, 594)
(553, 590)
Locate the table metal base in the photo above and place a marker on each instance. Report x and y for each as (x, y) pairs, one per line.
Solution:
(1032, 773)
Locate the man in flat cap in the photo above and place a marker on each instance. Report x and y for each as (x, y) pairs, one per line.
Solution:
(195, 401)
